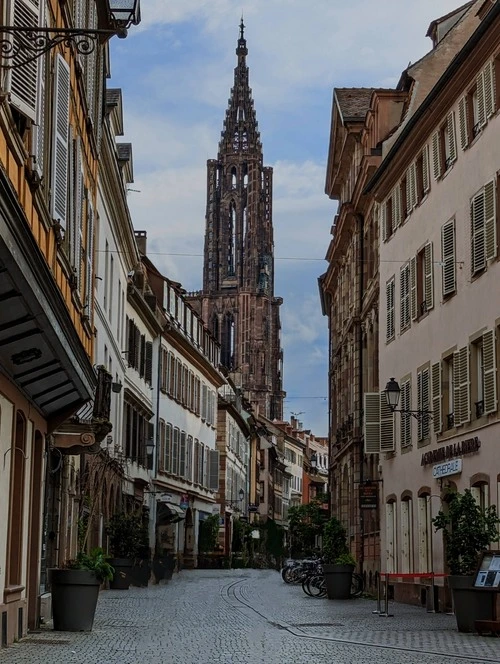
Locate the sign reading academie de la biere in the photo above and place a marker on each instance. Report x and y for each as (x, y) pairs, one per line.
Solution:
(468, 446)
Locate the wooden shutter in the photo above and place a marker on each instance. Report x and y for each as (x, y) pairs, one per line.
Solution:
(490, 220)
(451, 139)
(428, 276)
(404, 292)
(426, 181)
(489, 372)
(463, 123)
(38, 131)
(478, 249)
(457, 408)
(413, 288)
(148, 374)
(481, 108)
(175, 451)
(59, 175)
(383, 221)
(464, 384)
(387, 437)
(213, 482)
(91, 73)
(99, 99)
(436, 397)
(412, 172)
(489, 89)
(423, 402)
(396, 206)
(89, 287)
(137, 347)
(168, 448)
(389, 289)
(24, 77)
(448, 258)
(436, 155)
(182, 455)
(371, 423)
(405, 421)
(161, 443)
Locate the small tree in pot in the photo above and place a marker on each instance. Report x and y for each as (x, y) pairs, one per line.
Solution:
(338, 562)
(125, 538)
(467, 531)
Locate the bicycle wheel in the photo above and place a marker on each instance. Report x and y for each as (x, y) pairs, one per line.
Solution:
(288, 574)
(357, 585)
(316, 586)
(305, 586)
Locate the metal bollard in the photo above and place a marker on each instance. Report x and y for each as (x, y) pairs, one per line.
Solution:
(386, 613)
(379, 596)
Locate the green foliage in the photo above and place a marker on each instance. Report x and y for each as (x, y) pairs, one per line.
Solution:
(241, 533)
(467, 530)
(305, 522)
(334, 541)
(96, 561)
(272, 542)
(209, 533)
(126, 536)
(345, 559)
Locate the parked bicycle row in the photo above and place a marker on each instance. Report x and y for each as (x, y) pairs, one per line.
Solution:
(318, 582)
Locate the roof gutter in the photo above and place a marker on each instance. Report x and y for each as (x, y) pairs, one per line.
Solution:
(455, 64)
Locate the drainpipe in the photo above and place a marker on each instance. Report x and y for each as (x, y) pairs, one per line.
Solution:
(360, 223)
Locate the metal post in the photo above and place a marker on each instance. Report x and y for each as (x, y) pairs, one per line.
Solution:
(431, 601)
(379, 596)
(386, 613)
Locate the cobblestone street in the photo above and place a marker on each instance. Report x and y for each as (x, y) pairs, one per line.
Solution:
(250, 617)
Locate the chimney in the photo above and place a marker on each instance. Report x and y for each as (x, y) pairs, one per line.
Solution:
(141, 239)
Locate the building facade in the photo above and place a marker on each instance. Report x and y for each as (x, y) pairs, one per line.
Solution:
(237, 301)
(437, 195)
(361, 119)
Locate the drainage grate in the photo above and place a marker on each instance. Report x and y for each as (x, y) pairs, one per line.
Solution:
(318, 625)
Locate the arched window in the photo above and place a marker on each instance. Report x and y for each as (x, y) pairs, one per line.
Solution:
(227, 341)
(233, 177)
(406, 535)
(424, 532)
(245, 177)
(231, 253)
(244, 139)
(390, 536)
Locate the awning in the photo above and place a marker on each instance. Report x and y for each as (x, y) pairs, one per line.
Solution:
(169, 513)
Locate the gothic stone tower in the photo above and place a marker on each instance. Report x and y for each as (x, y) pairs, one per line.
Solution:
(237, 302)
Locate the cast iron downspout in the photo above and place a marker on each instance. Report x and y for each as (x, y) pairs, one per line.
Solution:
(360, 219)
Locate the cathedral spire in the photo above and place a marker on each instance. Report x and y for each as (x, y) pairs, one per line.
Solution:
(241, 50)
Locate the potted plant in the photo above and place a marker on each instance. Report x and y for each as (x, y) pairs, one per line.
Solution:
(338, 562)
(141, 569)
(124, 532)
(75, 589)
(467, 530)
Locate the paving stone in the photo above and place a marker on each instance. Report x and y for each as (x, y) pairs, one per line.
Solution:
(250, 617)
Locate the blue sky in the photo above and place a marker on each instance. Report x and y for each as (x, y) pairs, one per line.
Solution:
(176, 71)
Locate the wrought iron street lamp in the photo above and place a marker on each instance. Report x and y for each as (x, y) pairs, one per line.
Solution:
(393, 392)
(314, 461)
(22, 44)
(241, 495)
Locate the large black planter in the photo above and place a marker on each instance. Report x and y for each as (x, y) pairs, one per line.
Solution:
(74, 599)
(122, 577)
(163, 567)
(338, 580)
(469, 603)
(140, 573)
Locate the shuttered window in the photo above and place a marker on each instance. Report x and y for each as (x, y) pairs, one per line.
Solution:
(405, 421)
(161, 436)
(489, 372)
(89, 285)
(437, 418)
(480, 119)
(436, 155)
(378, 424)
(60, 153)
(24, 76)
(148, 371)
(426, 181)
(489, 89)
(423, 403)
(39, 129)
(450, 140)
(175, 451)
(411, 187)
(413, 288)
(428, 276)
(182, 455)
(213, 482)
(483, 227)
(168, 448)
(404, 291)
(461, 386)
(390, 292)
(448, 258)
(463, 122)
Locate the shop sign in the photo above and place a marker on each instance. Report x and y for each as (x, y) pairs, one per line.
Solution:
(448, 452)
(184, 501)
(368, 496)
(253, 507)
(449, 468)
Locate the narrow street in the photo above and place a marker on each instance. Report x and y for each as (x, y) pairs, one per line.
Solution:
(250, 617)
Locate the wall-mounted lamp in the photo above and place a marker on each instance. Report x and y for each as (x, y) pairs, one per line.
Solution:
(393, 392)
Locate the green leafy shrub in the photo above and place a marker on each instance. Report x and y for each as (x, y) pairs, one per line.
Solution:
(96, 561)
(334, 541)
(125, 532)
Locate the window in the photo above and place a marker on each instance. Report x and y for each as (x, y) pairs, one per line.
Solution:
(483, 227)
(437, 420)
(447, 142)
(423, 403)
(406, 536)
(389, 292)
(168, 448)
(182, 455)
(411, 187)
(422, 173)
(484, 374)
(386, 219)
(378, 424)
(422, 282)
(161, 456)
(424, 525)
(60, 146)
(404, 292)
(481, 494)
(448, 392)
(405, 420)
(189, 459)
(461, 386)
(448, 259)
(175, 451)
